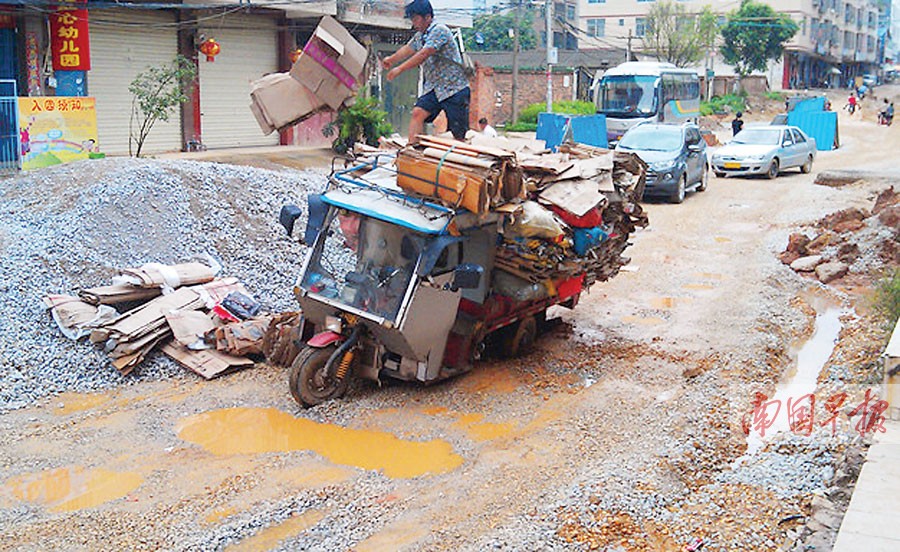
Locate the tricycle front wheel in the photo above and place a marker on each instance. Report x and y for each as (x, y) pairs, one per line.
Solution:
(310, 384)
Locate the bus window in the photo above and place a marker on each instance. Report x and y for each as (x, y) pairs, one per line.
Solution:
(628, 95)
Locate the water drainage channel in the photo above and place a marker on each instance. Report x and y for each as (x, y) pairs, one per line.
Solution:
(810, 360)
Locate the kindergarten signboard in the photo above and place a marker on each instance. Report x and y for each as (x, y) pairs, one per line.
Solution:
(70, 43)
(54, 130)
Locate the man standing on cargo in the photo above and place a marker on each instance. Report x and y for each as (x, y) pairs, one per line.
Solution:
(446, 86)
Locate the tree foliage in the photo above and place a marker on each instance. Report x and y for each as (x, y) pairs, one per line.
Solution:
(755, 34)
(675, 36)
(155, 93)
(494, 29)
(361, 121)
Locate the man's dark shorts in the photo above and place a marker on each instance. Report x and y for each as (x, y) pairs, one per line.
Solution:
(456, 107)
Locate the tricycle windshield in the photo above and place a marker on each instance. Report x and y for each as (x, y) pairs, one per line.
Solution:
(364, 263)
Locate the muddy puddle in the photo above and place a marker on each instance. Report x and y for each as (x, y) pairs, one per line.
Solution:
(801, 381)
(234, 431)
(72, 488)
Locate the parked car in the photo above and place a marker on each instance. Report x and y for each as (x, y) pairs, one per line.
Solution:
(675, 154)
(766, 151)
(870, 80)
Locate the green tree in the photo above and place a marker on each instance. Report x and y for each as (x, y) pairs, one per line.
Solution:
(755, 34)
(155, 93)
(494, 29)
(360, 121)
(674, 35)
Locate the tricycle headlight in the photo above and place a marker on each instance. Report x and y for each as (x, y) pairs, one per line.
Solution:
(333, 324)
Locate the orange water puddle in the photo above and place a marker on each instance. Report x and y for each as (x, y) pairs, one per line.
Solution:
(700, 287)
(393, 537)
(218, 515)
(668, 302)
(271, 537)
(491, 379)
(234, 431)
(73, 488)
(709, 275)
(70, 402)
(477, 430)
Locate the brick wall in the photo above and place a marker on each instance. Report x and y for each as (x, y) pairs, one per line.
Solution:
(495, 98)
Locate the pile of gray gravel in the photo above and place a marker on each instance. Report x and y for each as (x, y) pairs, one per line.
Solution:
(74, 226)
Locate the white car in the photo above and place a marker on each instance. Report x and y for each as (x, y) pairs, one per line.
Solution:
(765, 150)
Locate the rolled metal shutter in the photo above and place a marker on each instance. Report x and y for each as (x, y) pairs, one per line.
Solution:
(125, 42)
(249, 50)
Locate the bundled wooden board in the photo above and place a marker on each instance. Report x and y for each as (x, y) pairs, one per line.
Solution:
(477, 178)
(457, 186)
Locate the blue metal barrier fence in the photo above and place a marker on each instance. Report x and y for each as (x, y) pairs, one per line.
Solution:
(10, 159)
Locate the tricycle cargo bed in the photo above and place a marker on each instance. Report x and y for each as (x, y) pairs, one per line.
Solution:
(403, 281)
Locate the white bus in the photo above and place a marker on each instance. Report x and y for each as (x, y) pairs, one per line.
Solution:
(638, 91)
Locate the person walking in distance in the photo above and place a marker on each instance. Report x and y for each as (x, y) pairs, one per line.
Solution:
(851, 103)
(737, 124)
(446, 86)
(486, 129)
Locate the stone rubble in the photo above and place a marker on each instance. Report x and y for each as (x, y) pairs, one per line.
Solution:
(125, 212)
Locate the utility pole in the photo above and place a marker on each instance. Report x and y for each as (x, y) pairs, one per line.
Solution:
(628, 49)
(548, 6)
(515, 60)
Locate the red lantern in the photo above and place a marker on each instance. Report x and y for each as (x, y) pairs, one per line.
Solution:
(295, 55)
(210, 48)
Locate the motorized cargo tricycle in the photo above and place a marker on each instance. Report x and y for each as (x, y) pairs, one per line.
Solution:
(397, 286)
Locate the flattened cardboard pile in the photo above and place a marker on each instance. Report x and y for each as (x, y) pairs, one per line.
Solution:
(567, 214)
(166, 306)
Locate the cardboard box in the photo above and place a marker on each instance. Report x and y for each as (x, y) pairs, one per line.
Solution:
(278, 101)
(331, 64)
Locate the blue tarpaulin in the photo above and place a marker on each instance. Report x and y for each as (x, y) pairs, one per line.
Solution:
(810, 104)
(821, 125)
(585, 129)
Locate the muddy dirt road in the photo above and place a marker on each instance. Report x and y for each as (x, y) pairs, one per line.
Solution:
(622, 430)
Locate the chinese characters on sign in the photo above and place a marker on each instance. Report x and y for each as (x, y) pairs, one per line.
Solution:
(69, 41)
(56, 130)
(800, 413)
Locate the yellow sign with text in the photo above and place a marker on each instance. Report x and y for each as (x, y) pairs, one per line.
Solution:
(56, 129)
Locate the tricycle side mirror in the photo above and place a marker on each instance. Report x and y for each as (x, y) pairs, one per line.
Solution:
(467, 276)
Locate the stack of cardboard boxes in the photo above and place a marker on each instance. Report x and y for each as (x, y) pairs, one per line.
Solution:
(325, 76)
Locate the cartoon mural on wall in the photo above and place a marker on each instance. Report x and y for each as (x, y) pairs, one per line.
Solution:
(54, 130)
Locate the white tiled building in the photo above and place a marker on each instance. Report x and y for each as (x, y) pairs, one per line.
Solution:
(835, 35)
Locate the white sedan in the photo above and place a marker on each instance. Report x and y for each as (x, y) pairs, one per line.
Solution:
(766, 151)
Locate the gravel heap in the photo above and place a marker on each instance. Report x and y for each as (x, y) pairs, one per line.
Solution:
(115, 213)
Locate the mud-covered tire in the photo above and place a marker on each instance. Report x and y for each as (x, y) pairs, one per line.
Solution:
(309, 384)
(520, 338)
(772, 171)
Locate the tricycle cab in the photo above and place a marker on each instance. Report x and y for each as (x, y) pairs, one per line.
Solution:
(399, 268)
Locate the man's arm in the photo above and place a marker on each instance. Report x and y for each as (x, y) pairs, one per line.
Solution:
(404, 52)
(411, 63)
